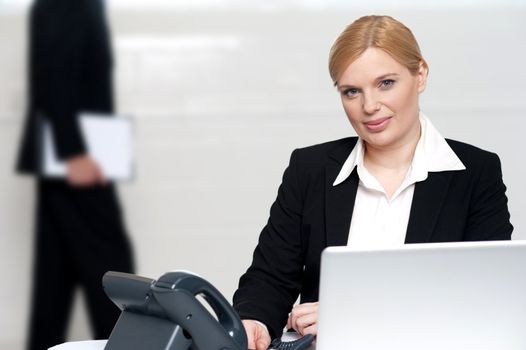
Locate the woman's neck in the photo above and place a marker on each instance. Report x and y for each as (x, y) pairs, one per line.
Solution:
(393, 158)
(389, 165)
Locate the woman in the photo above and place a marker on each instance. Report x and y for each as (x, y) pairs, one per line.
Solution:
(398, 182)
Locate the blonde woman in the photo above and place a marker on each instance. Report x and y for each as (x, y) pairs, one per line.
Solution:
(398, 182)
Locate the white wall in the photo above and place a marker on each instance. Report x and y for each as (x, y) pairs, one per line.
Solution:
(223, 94)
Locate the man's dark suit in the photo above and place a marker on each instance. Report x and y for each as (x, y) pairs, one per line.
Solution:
(310, 214)
(80, 232)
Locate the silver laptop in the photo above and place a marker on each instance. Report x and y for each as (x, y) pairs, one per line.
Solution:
(445, 296)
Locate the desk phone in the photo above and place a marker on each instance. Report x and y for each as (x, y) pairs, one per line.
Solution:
(165, 314)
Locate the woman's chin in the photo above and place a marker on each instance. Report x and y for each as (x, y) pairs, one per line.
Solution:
(379, 140)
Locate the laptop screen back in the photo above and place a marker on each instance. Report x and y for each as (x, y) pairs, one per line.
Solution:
(455, 296)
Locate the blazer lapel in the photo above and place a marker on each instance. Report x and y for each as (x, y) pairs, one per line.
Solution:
(339, 199)
(428, 199)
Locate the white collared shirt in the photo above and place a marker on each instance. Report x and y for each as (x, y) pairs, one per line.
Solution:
(379, 221)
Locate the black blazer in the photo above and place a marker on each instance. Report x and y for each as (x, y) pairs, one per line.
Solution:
(69, 70)
(310, 214)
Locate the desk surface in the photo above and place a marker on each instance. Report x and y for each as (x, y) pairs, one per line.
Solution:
(82, 345)
(100, 344)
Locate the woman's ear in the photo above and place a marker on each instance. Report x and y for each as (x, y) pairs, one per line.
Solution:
(423, 70)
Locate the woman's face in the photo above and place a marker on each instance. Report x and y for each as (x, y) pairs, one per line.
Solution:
(380, 98)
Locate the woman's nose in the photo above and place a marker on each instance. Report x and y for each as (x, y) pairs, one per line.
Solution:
(370, 104)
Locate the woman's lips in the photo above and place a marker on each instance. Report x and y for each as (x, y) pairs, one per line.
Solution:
(378, 124)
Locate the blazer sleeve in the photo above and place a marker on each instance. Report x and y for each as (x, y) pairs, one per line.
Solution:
(489, 218)
(272, 283)
(59, 62)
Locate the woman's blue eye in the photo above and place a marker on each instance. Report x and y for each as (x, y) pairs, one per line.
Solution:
(387, 83)
(350, 92)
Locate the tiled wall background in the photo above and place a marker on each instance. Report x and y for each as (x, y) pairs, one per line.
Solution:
(221, 97)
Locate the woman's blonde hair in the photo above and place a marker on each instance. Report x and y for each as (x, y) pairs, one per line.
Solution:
(383, 32)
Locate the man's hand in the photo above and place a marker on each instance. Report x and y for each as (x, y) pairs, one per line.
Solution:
(257, 334)
(83, 171)
(304, 318)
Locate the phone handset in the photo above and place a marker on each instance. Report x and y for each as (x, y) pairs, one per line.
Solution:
(176, 293)
(166, 315)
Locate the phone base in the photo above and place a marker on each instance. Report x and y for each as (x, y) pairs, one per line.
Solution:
(138, 332)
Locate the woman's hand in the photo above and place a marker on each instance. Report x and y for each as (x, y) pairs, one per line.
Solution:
(257, 334)
(304, 318)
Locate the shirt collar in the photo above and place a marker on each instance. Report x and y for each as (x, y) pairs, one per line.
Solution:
(432, 154)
